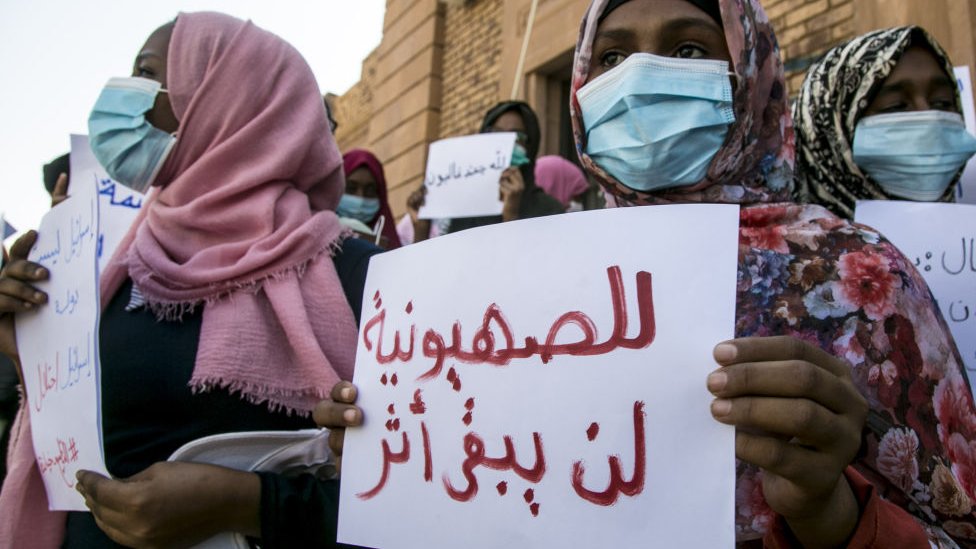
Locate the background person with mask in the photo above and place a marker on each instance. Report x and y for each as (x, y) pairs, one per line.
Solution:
(879, 118)
(562, 180)
(520, 196)
(365, 199)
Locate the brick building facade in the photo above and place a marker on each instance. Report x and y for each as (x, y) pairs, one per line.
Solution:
(442, 64)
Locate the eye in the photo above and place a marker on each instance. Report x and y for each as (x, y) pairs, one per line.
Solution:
(611, 59)
(145, 72)
(690, 51)
(943, 104)
(894, 107)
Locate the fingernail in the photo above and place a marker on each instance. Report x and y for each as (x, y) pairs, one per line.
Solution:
(38, 296)
(717, 381)
(725, 352)
(350, 415)
(38, 272)
(28, 305)
(346, 393)
(721, 407)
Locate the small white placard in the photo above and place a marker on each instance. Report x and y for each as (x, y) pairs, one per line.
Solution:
(463, 173)
(58, 345)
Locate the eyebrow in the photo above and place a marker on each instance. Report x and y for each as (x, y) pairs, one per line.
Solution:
(614, 34)
(145, 55)
(673, 27)
(904, 85)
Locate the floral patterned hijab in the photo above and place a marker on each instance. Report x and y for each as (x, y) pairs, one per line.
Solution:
(806, 273)
(835, 94)
(756, 163)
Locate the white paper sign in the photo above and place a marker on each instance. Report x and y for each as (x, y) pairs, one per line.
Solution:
(939, 239)
(966, 191)
(118, 205)
(58, 347)
(463, 173)
(528, 393)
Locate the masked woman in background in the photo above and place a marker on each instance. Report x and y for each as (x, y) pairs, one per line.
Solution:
(562, 180)
(521, 197)
(880, 118)
(229, 306)
(365, 199)
(855, 424)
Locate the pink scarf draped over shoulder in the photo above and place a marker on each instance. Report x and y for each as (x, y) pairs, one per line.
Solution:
(241, 223)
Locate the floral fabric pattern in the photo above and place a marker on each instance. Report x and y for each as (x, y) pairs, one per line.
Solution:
(844, 288)
(806, 273)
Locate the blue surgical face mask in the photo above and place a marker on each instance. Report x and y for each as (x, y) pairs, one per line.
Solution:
(357, 207)
(913, 155)
(129, 148)
(656, 122)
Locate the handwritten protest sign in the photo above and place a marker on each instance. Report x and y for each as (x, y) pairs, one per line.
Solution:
(463, 173)
(966, 191)
(939, 239)
(118, 205)
(58, 347)
(526, 393)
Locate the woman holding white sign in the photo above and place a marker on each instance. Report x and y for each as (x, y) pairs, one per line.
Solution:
(521, 198)
(229, 306)
(843, 382)
(880, 118)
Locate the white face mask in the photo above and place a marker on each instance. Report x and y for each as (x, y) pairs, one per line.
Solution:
(574, 206)
(913, 155)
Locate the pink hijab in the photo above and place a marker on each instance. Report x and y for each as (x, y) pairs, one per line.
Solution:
(243, 220)
(242, 225)
(560, 178)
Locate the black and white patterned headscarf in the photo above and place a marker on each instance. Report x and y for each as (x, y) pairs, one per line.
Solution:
(836, 92)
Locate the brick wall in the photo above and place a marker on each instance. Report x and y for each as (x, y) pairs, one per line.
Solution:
(806, 29)
(353, 109)
(471, 65)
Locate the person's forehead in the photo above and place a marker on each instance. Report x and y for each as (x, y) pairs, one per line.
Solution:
(919, 59)
(509, 120)
(361, 175)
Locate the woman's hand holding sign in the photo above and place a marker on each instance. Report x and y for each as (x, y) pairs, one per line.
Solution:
(798, 417)
(17, 293)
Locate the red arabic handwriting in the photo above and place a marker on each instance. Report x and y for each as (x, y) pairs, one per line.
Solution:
(474, 449)
(67, 454)
(484, 349)
(388, 457)
(617, 485)
(495, 343)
